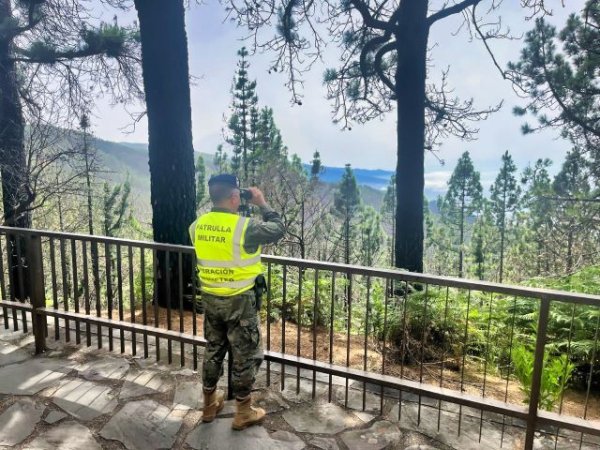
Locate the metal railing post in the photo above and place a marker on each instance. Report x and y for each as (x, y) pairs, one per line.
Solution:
(38, 297)
(538, 368)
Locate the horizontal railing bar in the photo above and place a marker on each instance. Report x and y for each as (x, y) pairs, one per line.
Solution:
(99, 239)
(15, 305)
(125, 326)
(388, 381)
(570, 422)
(459, 283)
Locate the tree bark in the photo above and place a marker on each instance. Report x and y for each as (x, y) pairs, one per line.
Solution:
(410, 93)
(13, 167)
(171, 154)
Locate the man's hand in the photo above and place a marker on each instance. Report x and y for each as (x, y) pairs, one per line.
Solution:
(258, 198)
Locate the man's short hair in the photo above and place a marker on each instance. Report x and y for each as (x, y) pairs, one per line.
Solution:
(221, 187)
(220, 192)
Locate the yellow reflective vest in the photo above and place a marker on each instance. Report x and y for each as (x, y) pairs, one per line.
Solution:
(224, 267)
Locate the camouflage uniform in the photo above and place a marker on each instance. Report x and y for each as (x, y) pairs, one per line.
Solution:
(234, 320)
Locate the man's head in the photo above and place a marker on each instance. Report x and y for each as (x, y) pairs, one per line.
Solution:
(224, 191)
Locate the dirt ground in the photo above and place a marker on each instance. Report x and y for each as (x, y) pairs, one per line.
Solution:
(472, 381)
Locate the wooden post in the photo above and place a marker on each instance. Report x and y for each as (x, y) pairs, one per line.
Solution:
(38, 297)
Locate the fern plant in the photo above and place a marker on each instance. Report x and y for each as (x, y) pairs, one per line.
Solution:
(555, 376)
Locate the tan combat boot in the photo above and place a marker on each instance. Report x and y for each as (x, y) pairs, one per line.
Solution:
(213, 404)
(247, 415)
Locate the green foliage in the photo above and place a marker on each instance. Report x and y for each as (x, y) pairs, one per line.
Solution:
(462, 200)
(115, 207)
(370, 236)
(242, 124)
(200, 182)
(109, 39)
(316, 168)
(504, 201)
(561, 83)
(555, 376)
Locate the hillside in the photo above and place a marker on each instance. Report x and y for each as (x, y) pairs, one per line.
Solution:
(120, 159)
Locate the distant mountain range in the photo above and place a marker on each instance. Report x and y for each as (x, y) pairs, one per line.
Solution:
(376, 179)
(122, 158)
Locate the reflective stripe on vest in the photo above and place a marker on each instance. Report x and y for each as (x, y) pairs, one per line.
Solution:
(225, 268)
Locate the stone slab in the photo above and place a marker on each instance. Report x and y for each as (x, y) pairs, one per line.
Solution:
(324, 443)
(228, 409)
(84, 400)
(469, 438)
(143, 424)
(365, 417)
(270, 401)
(65, 436)
(104, 369)
(421, 447)
(377, 437)
(185, 372)
(188, 395)
(32, 376)
(325, 418)
(18, 421)
(288, 440)
(291, 394)
(218, 435)
(355, 400)
(144, 382)
(11, 354)
(55, 416)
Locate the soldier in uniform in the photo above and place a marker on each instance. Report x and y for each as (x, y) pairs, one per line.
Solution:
(228, 249)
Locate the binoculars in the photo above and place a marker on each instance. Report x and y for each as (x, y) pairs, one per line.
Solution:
(245, 195)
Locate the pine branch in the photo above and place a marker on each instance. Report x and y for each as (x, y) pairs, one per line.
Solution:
(451, 10)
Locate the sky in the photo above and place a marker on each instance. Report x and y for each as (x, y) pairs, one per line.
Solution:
(213, 43)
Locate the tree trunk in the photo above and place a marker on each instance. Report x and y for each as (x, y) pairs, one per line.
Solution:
(570, 250)
(171, 153)
(13, 167)
(462, 235)
(410, 171)
(502, 241)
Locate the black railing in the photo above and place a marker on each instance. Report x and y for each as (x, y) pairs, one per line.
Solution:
(397, 336)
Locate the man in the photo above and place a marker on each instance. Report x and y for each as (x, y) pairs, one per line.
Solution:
(228, 249)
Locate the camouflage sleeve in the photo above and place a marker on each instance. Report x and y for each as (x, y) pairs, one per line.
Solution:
(192, 231)
(267, 231)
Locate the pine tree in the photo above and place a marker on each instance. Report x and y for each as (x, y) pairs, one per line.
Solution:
(243, 123)
(220, 160)
(115, 208)
(371, 237)
(388, 211)
(89, 156)
(200, 181)
(505, 199)
(462, 200)
(316, 167)
(536, 199)
(170, 145)
(346, 203)
(482, 242)
(574, 221)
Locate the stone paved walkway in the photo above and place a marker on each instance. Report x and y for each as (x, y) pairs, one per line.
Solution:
(76, 398)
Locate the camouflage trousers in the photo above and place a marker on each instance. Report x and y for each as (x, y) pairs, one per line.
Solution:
(232, 321)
